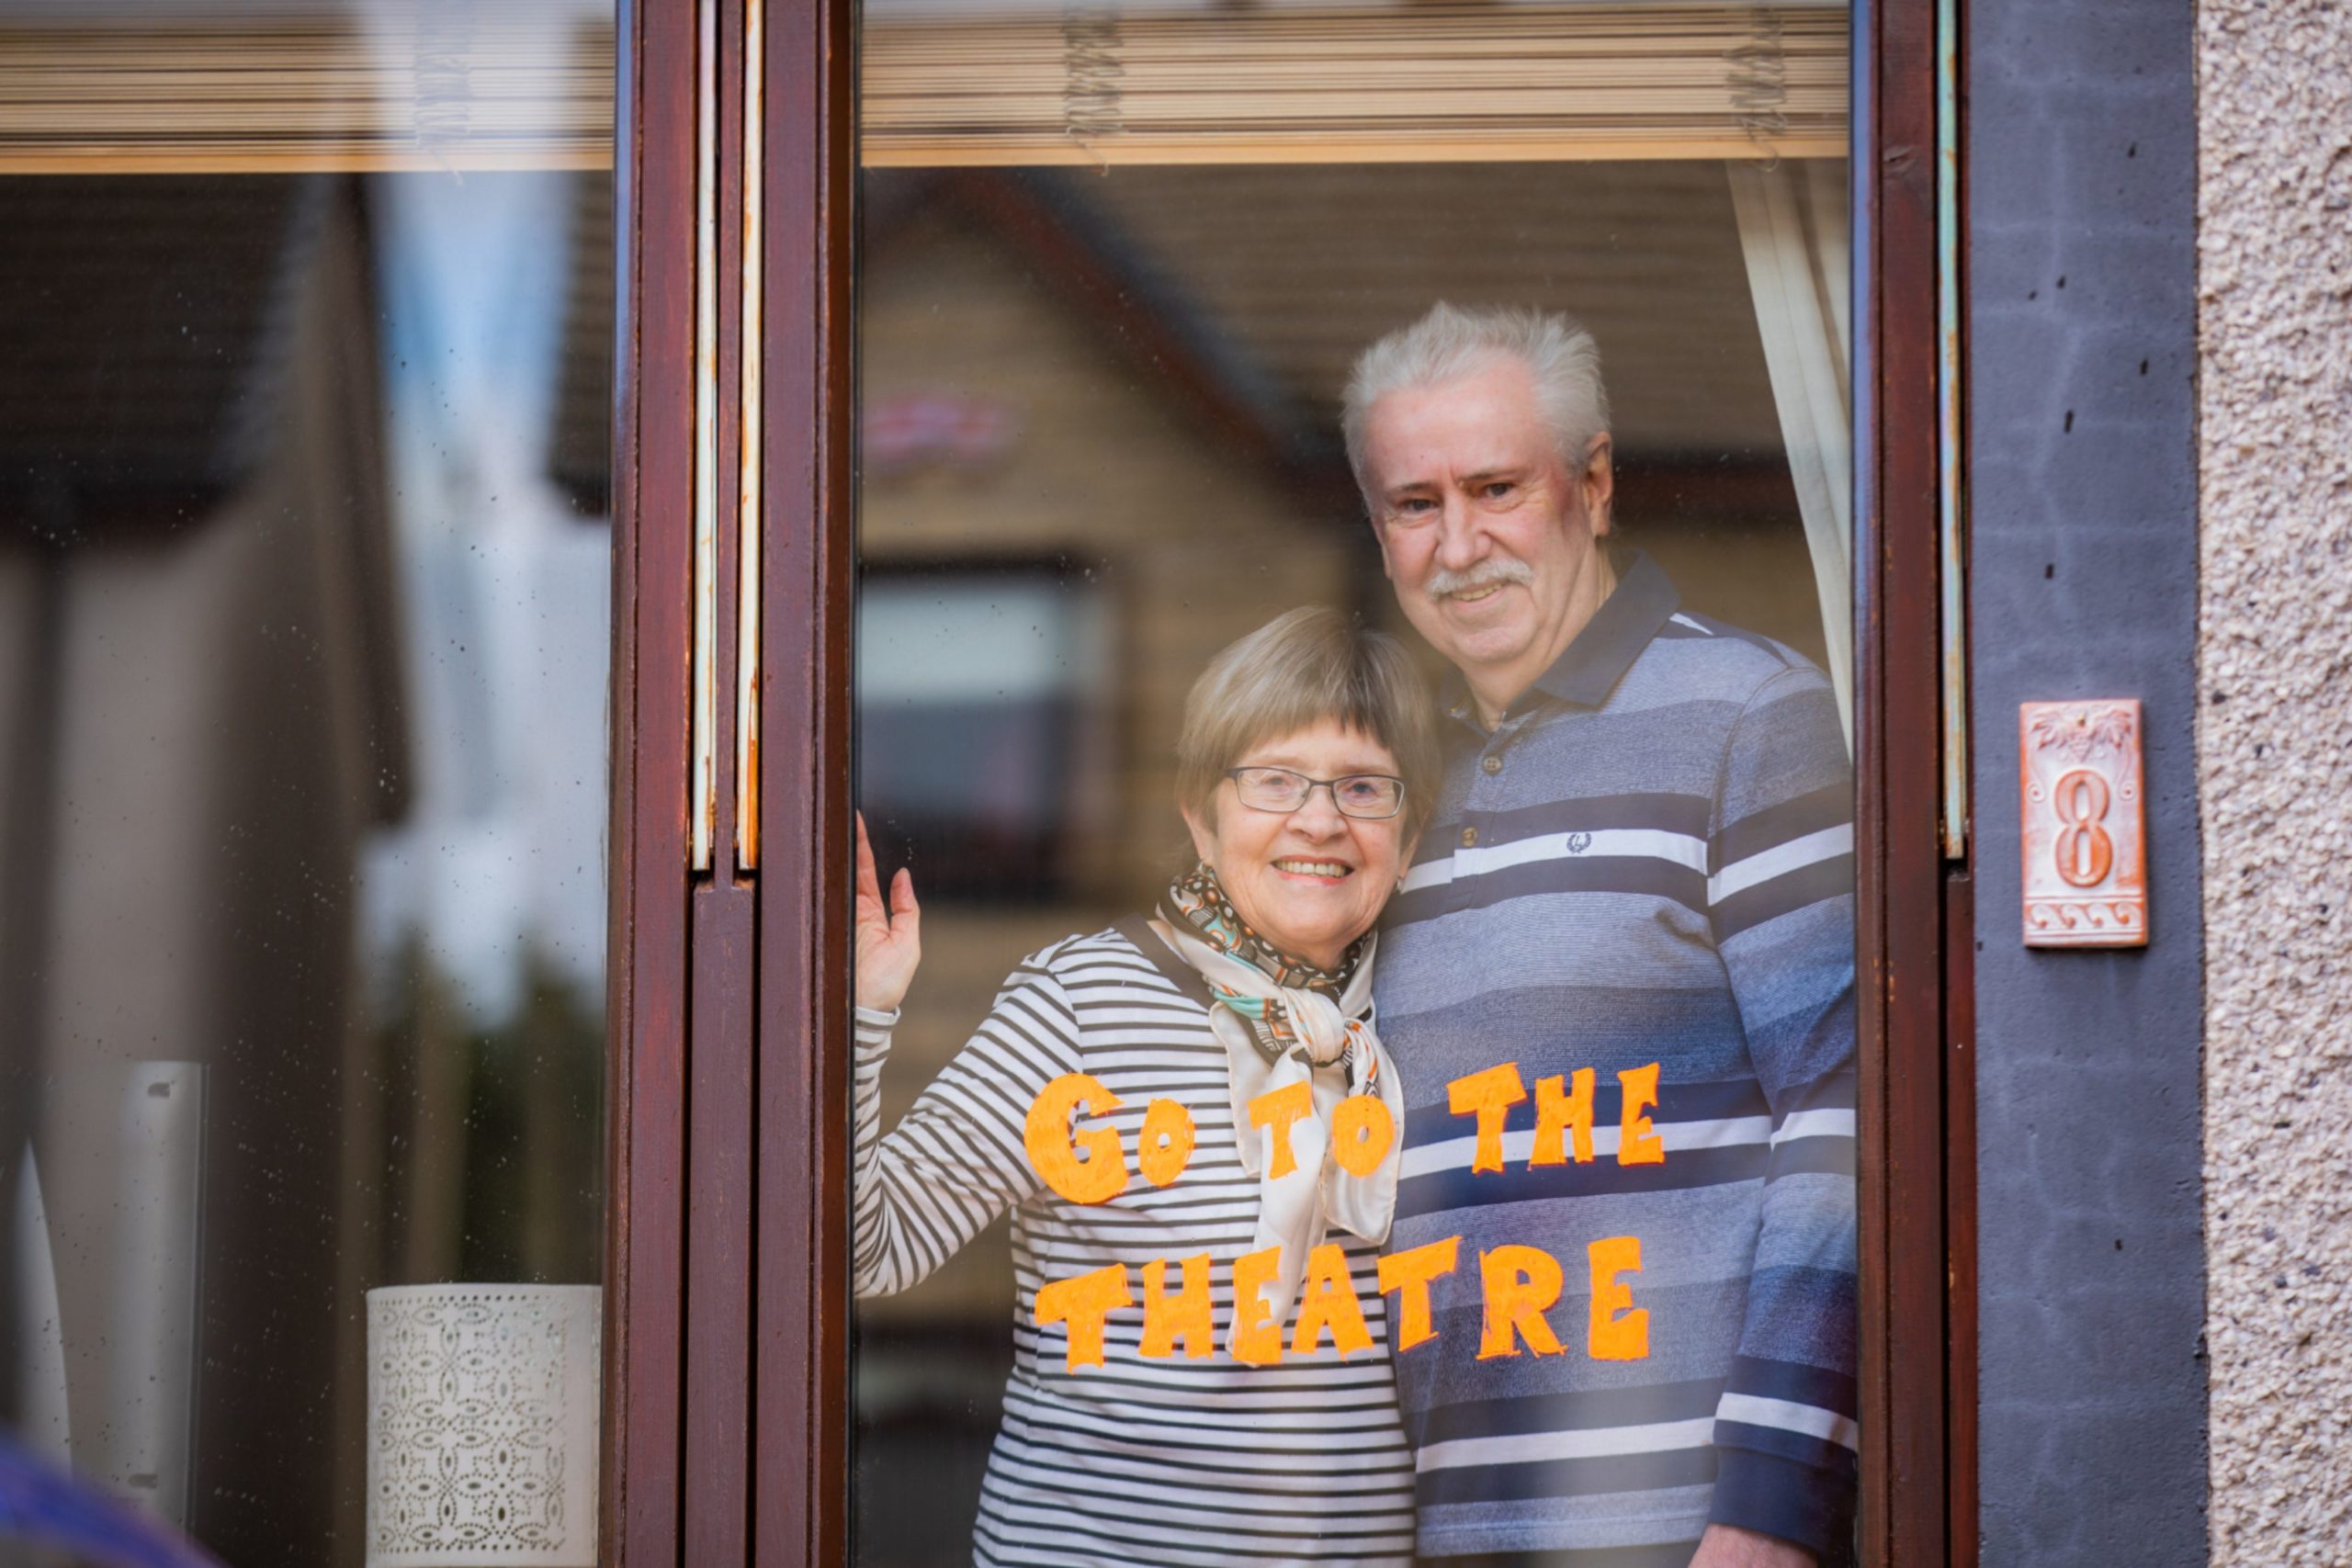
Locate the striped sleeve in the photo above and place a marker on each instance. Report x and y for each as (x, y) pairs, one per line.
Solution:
(1782, 900)
(955, 1161)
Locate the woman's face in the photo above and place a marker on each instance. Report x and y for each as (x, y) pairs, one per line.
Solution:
(1313, 880)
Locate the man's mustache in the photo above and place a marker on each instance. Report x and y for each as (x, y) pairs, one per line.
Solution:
(1494, 573)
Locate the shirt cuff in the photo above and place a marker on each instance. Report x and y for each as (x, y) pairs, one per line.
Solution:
(1779, 1497)
(870, 1041)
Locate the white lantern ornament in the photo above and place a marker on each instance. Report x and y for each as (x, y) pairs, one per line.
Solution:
(482, 1426)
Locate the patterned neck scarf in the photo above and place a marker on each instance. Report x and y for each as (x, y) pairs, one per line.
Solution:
(1288, 1025)
(1197, 902)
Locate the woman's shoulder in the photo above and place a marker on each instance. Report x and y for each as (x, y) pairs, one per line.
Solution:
(1123, 955)
(1101, 955)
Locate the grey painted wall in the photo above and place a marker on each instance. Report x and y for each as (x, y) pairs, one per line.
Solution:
(2083, 581)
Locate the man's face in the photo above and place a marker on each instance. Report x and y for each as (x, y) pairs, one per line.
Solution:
(1490, 538)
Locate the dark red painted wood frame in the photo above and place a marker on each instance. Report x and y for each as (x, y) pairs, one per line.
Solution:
(801, 1368)
(727, 1300)
(654, 185)
(1915, 943)
(726, 1356)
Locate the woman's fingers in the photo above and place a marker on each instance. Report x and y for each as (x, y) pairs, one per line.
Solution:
(902, 918)
(906, 915)
(890, 944)
(868, 885)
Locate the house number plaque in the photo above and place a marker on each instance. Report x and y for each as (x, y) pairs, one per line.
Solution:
(2086, 846)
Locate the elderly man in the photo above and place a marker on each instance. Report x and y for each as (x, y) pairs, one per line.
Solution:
(1626, 943)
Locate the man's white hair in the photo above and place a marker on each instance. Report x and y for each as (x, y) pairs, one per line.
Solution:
(1452, 342)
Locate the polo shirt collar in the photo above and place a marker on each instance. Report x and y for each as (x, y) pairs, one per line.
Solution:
(1591, 666)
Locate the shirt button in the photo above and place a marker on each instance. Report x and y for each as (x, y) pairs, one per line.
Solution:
(1469, 838)
(1493, 764)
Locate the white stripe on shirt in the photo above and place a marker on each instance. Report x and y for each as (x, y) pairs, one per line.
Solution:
(1518, 1144)
(1755, 1410)
(1615, 844)
(1590, 1442)
(1781, 859)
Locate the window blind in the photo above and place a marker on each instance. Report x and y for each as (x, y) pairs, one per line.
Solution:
(1299, 80)
(134, 85)
(305, 85)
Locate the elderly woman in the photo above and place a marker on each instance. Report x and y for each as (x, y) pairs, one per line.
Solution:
(1148, 1418)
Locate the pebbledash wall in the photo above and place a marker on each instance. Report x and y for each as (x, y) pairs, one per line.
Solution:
(2274, 751)
(2160, 450)
(2083, 477)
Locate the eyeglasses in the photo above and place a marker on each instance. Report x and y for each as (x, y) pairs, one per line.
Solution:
(1371, 795)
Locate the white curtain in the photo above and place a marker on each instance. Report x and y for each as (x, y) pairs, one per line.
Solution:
(1792, 227)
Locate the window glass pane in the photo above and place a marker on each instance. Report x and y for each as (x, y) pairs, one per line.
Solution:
(1118, 265)
(304, 573)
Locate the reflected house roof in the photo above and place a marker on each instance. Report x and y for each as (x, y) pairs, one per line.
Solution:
(1247, 291)
(1276, 278)
(1259, 284)
(1143, 310)
(143, 322)
(1300, 268)
(1268, 281)
(184, 348)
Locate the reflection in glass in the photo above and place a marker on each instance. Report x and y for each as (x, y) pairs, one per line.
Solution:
(1116, 262)
(303, 632)
(983, 740)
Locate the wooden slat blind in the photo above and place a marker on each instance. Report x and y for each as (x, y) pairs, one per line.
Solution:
(529, 84)
(118, 88)
(1337, 81)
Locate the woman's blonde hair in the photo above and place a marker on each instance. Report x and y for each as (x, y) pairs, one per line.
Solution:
(1304, 666)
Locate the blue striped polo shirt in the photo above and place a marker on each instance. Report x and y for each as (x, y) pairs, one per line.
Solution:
(1649, 860)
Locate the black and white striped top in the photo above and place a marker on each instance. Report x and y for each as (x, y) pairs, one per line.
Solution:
(1171, 1461)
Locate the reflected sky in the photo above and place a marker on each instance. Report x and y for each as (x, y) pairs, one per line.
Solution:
(505, 590)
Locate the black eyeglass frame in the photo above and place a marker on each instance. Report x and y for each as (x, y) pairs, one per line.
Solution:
(1313, 784)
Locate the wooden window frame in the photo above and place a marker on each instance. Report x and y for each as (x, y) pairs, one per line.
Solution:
(727, 1298)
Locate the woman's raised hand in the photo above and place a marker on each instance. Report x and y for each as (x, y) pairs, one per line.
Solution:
(889, 938)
